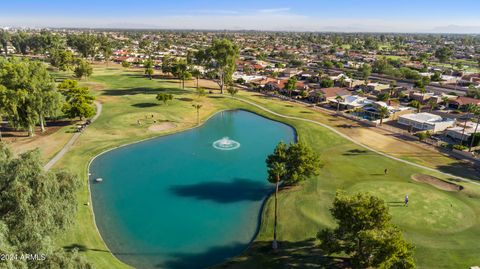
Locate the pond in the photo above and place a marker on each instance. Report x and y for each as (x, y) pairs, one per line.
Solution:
(188, 200)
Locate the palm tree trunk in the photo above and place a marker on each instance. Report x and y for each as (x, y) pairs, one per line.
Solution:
(472, 136)
(198, 116)
(463, 132)
(274, 243)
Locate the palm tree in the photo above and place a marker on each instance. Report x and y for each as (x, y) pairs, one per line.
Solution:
(471, 109)
(197, 107)
(278, 169)
(477, 112)
(196, 73)
(446, 101)
(338, 99)
(383, 112)
(416, 104)
(432, 104)
(318, 96)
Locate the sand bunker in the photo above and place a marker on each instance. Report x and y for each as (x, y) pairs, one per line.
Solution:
(164, 126)
(437, 183)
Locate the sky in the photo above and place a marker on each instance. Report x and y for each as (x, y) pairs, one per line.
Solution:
(452, 16)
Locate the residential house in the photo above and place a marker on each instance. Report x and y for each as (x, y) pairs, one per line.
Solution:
(426, 122)
(459, 133)
(463, 101)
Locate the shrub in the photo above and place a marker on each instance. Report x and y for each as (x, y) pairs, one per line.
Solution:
(423, 135)
(459, 147)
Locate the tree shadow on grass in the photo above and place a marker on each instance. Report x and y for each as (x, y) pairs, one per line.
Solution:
(224, 192)
(347, 126)
(142, 90)
(82, 248)
(215, 97)
(302, 254)
(144, 105)
(356, 152)
(461, 169)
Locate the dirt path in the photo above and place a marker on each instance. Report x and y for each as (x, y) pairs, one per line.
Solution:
(354, 141)
(72, 140)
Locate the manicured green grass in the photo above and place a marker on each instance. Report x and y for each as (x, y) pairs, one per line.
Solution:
(444, 226)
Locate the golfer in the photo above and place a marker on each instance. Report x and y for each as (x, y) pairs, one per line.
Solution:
(406, 200)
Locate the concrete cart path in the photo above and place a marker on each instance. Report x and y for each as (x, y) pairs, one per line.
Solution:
(72, 140)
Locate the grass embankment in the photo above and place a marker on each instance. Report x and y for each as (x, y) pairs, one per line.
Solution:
(444, 226)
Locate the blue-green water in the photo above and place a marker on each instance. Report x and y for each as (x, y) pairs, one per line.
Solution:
(177, 202)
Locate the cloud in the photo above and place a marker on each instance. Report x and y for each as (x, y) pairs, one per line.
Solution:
(274, 10)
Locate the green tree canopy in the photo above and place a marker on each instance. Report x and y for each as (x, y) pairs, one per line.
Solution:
(78, 100)
(62, 59)
(443, 54)
(30, 93)
(300, 161)
(83, 69)
(364, 232)
(35, 205)
(164, 97)
(220, 60)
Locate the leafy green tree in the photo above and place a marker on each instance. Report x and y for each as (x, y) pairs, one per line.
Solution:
(366, 71)
(62, 59)
(148, 65)
(301, 162)
(437, 76)
(167, 64)
(182, 71)
(83, 43)
(164, 97)
(4, 39)
(383, 97)
(326, 83)
(200, 92)
(196, 73)
(220, 60)
(365, 233)
(3, 106)
(36, 205)
(83, 69)
(232, 90)
(473, 93)
(79, 101)
(30, 92)
(443, 54)
(291, 85)
(20, 42)
(416, 104)
(126, 64)
(106, 47)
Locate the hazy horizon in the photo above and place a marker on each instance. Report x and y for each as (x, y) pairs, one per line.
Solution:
(428, 16)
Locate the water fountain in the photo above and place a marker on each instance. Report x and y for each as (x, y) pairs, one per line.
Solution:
(226, 144)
